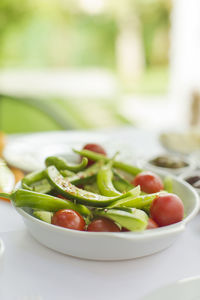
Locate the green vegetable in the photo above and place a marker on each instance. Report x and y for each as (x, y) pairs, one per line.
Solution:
(168, 184)
(92, 188)
(139, 202)
(67, 173)
(86, 176)
(121, 184)
(25, 198)
(43, 215)
(31, 178)
(61, 164)
(70, 191)
(104, 181)
(117, 164)
(136, 220)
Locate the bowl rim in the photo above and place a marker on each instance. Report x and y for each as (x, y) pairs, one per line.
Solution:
(161, 231)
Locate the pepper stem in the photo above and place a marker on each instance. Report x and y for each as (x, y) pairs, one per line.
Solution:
(5, 195)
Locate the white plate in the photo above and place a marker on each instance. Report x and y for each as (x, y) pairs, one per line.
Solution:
(185, 289)
(111, 245)
(28, 152)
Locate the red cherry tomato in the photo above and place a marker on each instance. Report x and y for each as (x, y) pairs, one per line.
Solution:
(151, 224)
(68, 218)
(103, 224)
(124, 229)
(95, 148)
(167, 209)
(149, 182)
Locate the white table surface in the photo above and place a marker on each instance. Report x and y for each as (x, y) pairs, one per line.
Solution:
(30, 271)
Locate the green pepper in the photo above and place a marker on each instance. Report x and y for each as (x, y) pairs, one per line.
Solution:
(70, 191)
(139, 202)
(67, 173)
(104, 181)
(117, 164)
(121, 184)
(25, 198)
(136, 220)
(86, 176)
(37, 181)
(92, 188)
(61, 164)
(31, 178)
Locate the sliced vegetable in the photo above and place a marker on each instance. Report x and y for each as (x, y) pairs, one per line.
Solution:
(136, 220)
(25, 198)
(117, 164)
(70, 191)
(61, 164)
(45, 216)
(121, 184)
(86, 176)
(94, 148)
(104, 181)
(168, 184)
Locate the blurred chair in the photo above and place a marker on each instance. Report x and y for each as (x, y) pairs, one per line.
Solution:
(50, 109)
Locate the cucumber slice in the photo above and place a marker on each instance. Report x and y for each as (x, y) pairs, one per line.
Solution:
(43, 215)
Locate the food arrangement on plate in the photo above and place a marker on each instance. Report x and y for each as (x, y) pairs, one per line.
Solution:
(95, 195)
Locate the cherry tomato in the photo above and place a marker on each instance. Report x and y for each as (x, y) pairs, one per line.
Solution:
(68, 218)
(167, 209)
(149, 182)
(95, 148)
(124, 229)
(103, 224)
(151, 224)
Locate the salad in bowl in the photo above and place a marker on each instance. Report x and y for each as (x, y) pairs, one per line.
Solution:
(103, 208)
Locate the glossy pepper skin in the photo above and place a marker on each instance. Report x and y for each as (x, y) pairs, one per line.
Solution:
(70, 191)
(117, 164)
(104, 181)
(39, 178)
(25, 198)
(61, 164)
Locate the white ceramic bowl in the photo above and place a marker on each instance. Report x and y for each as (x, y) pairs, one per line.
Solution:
(114, 246)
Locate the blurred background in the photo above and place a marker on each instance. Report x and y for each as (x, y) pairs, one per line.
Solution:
(81, 64)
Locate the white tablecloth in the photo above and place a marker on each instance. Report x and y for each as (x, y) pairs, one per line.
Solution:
(30, 271)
